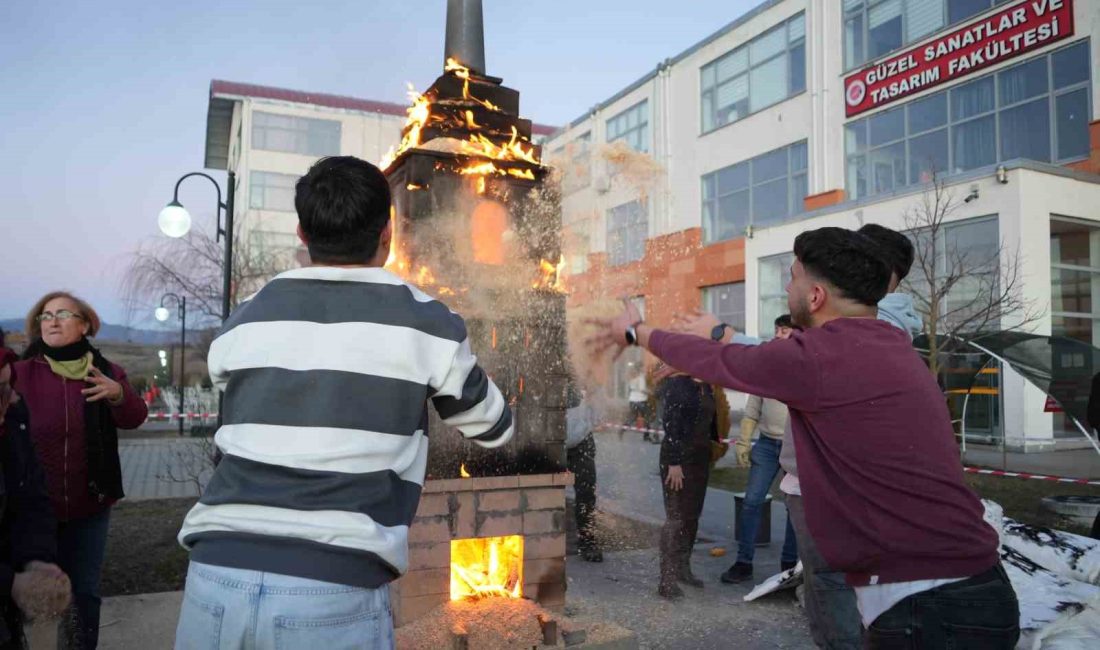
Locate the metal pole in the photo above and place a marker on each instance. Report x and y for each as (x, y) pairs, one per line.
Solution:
(465, 35)
(183, 356)
(227, 272)
(231, 191)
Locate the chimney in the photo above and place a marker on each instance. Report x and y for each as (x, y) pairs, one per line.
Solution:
(465, 35)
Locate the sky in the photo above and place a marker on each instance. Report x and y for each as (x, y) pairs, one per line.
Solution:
(103, 104)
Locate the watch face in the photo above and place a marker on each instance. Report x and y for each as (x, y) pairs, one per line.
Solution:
(718, 332)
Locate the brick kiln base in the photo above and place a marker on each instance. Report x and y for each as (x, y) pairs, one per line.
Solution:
(450, 509)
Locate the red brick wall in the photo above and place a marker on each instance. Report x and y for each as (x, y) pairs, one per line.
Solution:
(675, 267)
(823, 200)
(1092, 165)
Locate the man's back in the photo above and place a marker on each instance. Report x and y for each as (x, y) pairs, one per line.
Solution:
(326, 373)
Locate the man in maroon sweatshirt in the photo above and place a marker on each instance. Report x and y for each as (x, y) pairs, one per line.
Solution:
(881, 480)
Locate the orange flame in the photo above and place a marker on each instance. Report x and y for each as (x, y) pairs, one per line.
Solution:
(490, 566)
(462, 471)
(550, 276)
(494, 343)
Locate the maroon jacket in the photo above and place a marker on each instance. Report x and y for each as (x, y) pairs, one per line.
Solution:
(57, 429)
(880, 474)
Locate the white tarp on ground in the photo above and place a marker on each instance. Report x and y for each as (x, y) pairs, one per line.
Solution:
(1056, 576)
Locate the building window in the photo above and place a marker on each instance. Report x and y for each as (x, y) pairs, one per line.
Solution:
(764, 71)
(727, 302)
(293, 134)
(874, 28)
(627, 229)
(775, 274)
(271, 191)
(631, 126)
(578, 163)
(1037, 109)
(1075, 280)
(761, 191)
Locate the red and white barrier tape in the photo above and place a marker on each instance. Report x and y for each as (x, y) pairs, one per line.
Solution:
(176, 416)
(971, 470)
(1038, 477)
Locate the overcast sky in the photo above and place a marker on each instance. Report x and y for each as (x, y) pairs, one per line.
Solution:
(103, 104)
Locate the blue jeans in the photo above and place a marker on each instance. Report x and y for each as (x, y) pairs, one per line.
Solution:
(238, 608)
(764, 466)
(81, 544)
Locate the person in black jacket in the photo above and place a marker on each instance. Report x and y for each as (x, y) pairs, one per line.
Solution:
(688, 414)
(31, 584)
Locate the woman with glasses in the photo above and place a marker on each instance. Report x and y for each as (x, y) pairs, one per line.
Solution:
(77, 401)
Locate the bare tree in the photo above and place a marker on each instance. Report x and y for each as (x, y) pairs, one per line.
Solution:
(192, 267)
(193, 463)
(961, 292)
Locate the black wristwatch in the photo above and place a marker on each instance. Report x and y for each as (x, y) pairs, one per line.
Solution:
(719, 331)
(632, 333)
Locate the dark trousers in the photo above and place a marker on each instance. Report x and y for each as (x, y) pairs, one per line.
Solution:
(682, 510)
(830, 603)
(979, 613)
(582, 463)
(81, 544)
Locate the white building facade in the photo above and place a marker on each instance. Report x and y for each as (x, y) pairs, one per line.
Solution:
(811, 113)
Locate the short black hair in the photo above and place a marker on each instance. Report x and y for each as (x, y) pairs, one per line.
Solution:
(896, 247)
(785, 321)
(848, 260)
(343, 205)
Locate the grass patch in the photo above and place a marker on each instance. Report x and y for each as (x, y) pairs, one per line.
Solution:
(142, 553)
(1020, 498)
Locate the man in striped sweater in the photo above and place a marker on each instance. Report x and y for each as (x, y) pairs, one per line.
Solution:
(327, 372)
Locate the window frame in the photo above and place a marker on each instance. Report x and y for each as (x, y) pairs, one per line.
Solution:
(708, 95)
(765, 330)
(641, 109)
(950, 124)
(640, 222)
(255, 177)
(710, 298)
(795, 205)
(300, 130)
(863, 12)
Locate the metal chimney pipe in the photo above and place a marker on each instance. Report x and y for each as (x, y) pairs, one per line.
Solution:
(465, 34)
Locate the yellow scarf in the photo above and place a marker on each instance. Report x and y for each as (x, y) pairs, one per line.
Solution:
(77, 369)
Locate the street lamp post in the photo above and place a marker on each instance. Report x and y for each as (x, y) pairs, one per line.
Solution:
(162, 315)
(175, 221)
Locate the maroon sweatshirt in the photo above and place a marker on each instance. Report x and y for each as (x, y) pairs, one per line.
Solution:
(881, 478)
(57, 428)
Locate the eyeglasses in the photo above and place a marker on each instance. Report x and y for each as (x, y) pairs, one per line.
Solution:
(61, 315)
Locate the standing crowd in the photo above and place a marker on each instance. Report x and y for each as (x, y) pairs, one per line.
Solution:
(327, 372)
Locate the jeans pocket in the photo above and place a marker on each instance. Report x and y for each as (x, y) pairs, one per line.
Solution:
(890, 638)
(200, 625)
(974, 637)
(365, 630)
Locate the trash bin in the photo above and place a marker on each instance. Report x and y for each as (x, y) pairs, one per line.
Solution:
(764, 530)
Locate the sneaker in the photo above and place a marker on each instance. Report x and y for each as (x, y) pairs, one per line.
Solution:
(590, 554)
(739, 572)
(783, 566)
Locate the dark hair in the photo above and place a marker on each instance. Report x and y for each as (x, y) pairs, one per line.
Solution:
(1, 337)
(853, 263)
(343, 205)
(896, 247)
(785, 321)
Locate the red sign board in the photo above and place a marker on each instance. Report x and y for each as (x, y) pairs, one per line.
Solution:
(1051, 406)
(999, 37)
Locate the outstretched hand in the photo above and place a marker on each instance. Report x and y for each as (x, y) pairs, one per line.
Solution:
(610, 333)
(696, 323)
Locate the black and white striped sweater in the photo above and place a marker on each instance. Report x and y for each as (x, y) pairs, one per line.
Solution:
(327, 372)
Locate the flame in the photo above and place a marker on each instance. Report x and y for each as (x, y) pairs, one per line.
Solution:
(521, 385)
(463, 73)
(462, 471)
(479, 145)
(490, 566)
(470, 123)
(418, 115)
(412, 187)
(550, 276)
(424, 277)
(494, 343)
(480, 184)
